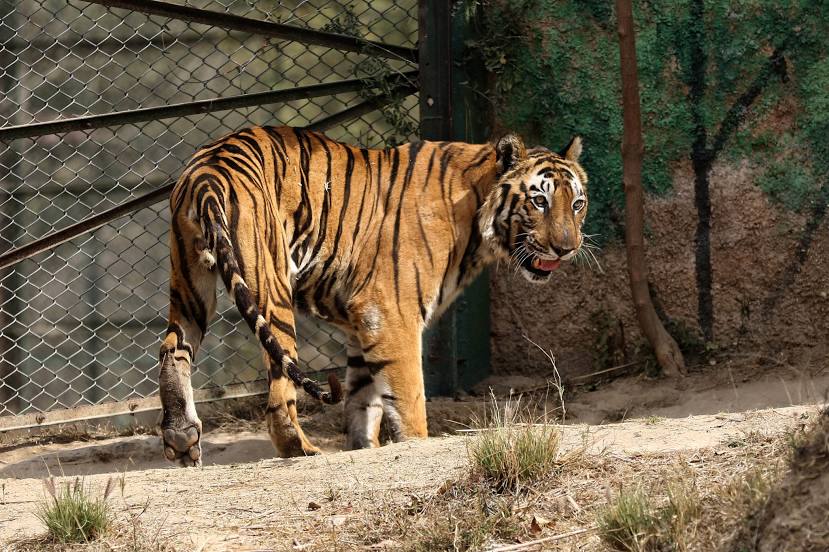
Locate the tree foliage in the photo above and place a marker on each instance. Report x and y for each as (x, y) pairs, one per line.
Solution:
(554, 67)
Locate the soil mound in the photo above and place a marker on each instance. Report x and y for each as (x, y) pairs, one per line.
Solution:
(794, 516)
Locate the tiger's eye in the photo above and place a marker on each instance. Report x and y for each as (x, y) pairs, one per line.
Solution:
(540, 201)
(578, 205)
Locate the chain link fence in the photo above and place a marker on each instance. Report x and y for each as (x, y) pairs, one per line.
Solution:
(81, 323)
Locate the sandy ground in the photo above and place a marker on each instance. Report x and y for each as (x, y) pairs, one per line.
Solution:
(262, 503)
(243, 499)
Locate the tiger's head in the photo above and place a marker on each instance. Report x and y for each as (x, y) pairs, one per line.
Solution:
(534, 214)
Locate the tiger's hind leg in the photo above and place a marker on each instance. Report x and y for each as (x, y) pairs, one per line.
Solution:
(281, 414)
(192, 306)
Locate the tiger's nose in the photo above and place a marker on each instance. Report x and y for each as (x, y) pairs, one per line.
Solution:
(561, 252)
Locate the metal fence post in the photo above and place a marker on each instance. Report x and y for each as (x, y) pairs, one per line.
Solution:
(456, 347)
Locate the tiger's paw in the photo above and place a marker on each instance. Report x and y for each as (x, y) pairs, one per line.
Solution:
(310, 450)
(297, 447)
(293, 445)
(360, 441)
(182, 443)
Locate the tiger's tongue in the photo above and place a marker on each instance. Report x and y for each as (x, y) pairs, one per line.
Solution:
(548, 266)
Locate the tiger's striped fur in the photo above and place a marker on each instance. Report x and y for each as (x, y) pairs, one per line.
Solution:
(378, 242)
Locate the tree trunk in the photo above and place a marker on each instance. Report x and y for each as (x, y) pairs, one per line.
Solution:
(667, 352)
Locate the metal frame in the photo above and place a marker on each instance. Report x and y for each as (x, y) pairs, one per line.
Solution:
(452, 358)
(394, 87)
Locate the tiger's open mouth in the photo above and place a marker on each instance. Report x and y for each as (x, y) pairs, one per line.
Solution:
(538, 266)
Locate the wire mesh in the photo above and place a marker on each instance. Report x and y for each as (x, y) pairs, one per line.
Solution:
(81, 323)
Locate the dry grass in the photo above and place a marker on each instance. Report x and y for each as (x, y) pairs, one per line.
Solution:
(788, 510)
(515, 447)
(699, 500)
(629, 523)
(682, 512)
(465, 517)
(761, 489)
(514, 456)
(595, 502)
(633, 522)
(76, 519)
(72, 514)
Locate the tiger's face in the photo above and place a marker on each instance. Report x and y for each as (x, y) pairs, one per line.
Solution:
(533, 216)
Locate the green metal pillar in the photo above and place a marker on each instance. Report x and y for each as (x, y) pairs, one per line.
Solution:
(456, 347)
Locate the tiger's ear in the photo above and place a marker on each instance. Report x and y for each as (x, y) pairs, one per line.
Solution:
(509, 151)
(572, 151)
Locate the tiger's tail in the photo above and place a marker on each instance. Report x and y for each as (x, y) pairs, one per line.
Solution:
(213, 221)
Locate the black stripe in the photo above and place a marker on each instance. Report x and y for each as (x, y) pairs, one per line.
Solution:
(376, 366)
(349, 171)
(479, 160)
(414, 150)
(425, 240)
(382, 159)
(356, 361)
(359, 220)
(284, 327)
(340, 305)
(419, 293)
(469, 259)
(302, 214)
(326, 202)
(429, 169)
(195, 309)
(358, 224)
(357, 385)
(505, 227)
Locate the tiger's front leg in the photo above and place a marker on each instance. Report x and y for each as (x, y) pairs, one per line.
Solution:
(385, 378)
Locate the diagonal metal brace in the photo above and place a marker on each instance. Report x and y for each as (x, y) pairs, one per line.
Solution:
(193, 108)
(264, 28)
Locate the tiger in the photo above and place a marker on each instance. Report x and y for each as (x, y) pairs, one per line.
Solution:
(378, 242)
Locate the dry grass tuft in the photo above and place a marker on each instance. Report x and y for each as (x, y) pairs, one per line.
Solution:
(465, 517)
(77, 520)
(629, 523)
(512, 454)
(514, 448)
(682, 513)
(632, 522)
(72, 514)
